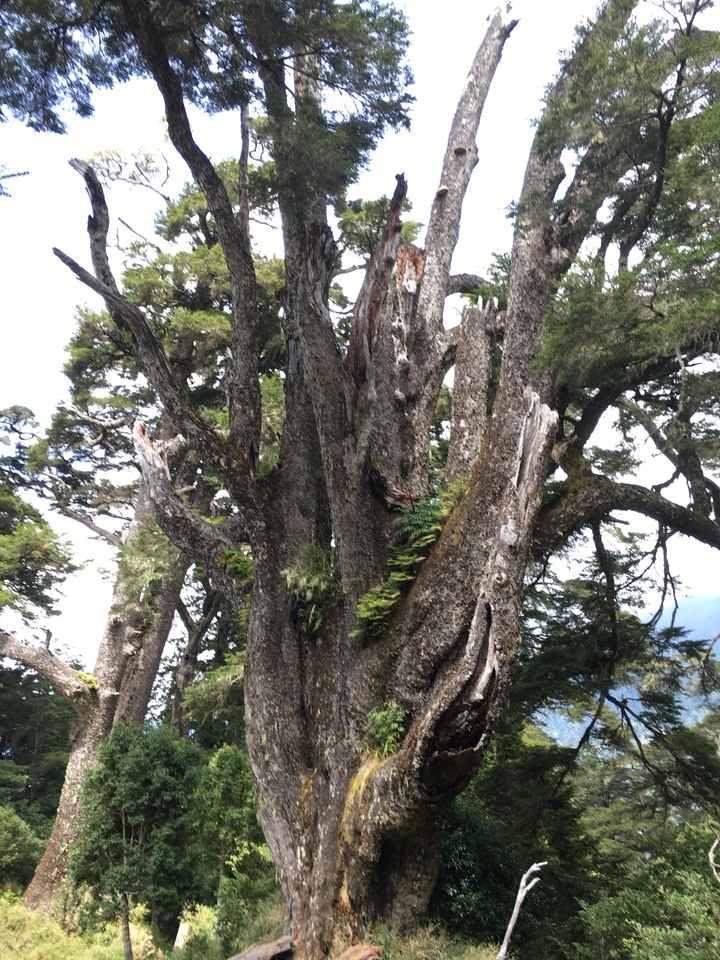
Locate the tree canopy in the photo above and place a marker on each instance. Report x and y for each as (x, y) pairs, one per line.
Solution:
(380, 535)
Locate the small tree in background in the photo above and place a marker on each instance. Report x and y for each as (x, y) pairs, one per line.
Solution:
(137, 840)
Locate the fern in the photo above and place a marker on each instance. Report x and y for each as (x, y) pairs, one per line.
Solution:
(418, 527)
(385, 726)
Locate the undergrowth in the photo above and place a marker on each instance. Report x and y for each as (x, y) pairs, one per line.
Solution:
(427, 943)
(264, 925)
(33, 936)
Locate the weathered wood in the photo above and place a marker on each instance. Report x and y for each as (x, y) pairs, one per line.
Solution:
(281, 948)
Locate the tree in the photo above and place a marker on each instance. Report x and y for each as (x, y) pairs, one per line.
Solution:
(135, 842)
(33, 560)
(669, 909)
(349, 614)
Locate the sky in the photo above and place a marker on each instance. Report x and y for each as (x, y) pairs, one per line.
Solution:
(48, 207)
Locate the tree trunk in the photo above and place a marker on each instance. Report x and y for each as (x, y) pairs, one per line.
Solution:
(125, 927)
(125, 669)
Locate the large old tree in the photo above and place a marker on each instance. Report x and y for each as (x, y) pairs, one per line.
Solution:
(611, 302)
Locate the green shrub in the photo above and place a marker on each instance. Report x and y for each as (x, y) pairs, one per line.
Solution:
(20, 849)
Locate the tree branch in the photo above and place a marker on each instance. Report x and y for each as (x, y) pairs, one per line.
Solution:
(523, 891)
(128, 317)
(711, 858)
(243, 380)
(473, 372)
(62, 677)
(461, 157)
(206, 544)
(593, 498)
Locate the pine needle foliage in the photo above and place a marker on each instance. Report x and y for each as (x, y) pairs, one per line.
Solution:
(417, 529)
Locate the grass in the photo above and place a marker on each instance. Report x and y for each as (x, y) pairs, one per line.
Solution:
(33, 936)
(428, 943)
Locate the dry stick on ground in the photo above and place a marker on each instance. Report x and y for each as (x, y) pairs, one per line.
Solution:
(523, 891)
(711, 858)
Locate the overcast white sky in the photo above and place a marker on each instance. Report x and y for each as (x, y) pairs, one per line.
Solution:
(39, 297)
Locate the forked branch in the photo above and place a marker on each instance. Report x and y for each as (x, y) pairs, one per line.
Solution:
(526, 886)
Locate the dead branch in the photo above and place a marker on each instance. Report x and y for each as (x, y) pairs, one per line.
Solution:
(523, 891)
(711, 858)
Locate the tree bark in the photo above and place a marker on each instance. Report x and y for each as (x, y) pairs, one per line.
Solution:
(125, 927)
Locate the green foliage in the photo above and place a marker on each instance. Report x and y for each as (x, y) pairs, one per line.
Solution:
(417, 528)
(361, 49)
(214, 702)
(264, 924)
(138, 835)
(625, 680)
(145, 560)
(516, 812)
(89, 679)
(239, 563)
(499, 276)
(230, 834)
(385, 727)
(361, 223)
(35, 725)
(20, 849)
(33, 936)
(33, 559)
(669, 911)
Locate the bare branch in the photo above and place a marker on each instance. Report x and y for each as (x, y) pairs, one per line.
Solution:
(711, 858)
(126, 314)
(62, 677)
(523, 890)
(461, 157)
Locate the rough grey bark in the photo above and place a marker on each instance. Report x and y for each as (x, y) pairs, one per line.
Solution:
(339, 817)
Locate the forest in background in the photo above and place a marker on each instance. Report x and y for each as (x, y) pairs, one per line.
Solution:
(624, 807)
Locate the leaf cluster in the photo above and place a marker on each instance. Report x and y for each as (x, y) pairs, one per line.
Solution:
(417, 528)
(361, 223)
(33, 559)
(59, 50)
(385, 728)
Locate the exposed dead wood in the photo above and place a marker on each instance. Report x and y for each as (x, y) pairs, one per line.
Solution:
(282, 947)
